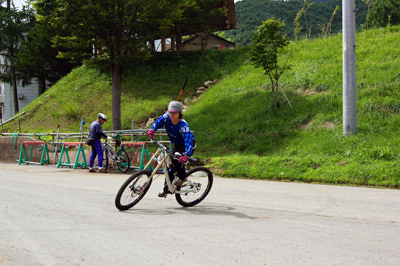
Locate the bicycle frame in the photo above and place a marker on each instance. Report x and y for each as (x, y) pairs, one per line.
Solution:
(107, 147)
(191, 192)
(115, 155)
(160, 157)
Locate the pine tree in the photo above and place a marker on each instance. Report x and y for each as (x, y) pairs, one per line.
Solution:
(118, 30)
(14, 27)
(384, 13)
(37, 57)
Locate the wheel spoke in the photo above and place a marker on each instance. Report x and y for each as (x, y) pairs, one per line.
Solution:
(133, 190)
(196, 188)
(123, 161)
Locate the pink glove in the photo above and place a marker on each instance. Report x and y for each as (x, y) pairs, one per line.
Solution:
(150, 134)
(183, 159)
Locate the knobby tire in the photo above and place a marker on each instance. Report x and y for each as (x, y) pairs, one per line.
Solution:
(133, 190)
(198, 175)
(124, 163)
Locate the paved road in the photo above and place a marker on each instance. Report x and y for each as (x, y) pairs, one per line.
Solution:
(51, 216)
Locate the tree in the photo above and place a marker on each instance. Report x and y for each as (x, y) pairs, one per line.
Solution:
(13, 29)
(302, 12)
(369, 3)
(117, 29)
(384, 13)
(37, 57)
(268, 42)
(199, 15)
(250, 13)
(327, 27)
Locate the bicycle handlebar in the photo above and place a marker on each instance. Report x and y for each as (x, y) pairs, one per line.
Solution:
(163, 147)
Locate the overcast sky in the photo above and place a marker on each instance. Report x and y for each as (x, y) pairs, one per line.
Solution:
(17, 3)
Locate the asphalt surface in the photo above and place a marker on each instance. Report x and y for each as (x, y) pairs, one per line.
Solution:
(61, 216)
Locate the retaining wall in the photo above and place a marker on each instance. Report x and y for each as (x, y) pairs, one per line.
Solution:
(9, 152)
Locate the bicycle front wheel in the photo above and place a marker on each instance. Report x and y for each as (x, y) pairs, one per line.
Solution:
(196, 188)
(133, 190)
(123, 161)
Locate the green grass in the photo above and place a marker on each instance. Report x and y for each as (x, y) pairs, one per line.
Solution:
(247, 137)
(238, 130)
(146, 91)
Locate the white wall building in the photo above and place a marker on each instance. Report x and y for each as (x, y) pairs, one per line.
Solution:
(25, 96)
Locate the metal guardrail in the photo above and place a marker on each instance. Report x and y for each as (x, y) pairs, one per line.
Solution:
(121, 132)
(83, 135)
(11, 119)
(59, 138)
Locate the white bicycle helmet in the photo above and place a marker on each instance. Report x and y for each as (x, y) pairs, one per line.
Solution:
(102, 116)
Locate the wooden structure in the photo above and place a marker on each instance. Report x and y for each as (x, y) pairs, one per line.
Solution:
(208, 41)
(226, 22)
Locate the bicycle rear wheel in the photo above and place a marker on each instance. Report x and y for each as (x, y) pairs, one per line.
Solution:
(133, 190)
(198, 185)
(123, 161)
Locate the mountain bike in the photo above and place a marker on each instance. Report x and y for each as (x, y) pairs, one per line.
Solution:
(191, 192)
(120, 157)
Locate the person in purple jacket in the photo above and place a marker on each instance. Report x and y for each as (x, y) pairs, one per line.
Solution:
(96, 133)
(180, 135)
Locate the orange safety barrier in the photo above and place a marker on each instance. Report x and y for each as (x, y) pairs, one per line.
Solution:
(33, 143)
(133, 145)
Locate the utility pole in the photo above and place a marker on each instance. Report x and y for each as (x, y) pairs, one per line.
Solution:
(349, 68)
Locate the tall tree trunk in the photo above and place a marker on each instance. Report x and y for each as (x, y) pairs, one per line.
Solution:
(202, 45)
(116, 70)
(275, 93)
(15, 91)
(178, 45)
(42, 85)
(173, 44)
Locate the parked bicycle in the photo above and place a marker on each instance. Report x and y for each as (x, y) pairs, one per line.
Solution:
(120, 157)
(191, 192)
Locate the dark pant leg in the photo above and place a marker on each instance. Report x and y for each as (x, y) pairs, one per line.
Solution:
(176, 166)
(93, 156)
(97, 150)
(179, 167)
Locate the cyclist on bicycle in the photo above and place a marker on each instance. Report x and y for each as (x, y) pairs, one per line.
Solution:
(96, 133)
(180, 135)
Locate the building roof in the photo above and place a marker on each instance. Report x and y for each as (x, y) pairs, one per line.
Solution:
(215, 36)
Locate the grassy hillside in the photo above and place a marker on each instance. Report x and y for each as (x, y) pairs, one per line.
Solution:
(306, 143)
(146, 91)
(240, 130)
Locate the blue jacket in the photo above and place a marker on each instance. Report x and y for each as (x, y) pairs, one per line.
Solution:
(178, 134)
(95, 131)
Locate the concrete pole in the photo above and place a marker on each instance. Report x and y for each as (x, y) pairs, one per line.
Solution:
(349, 68)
